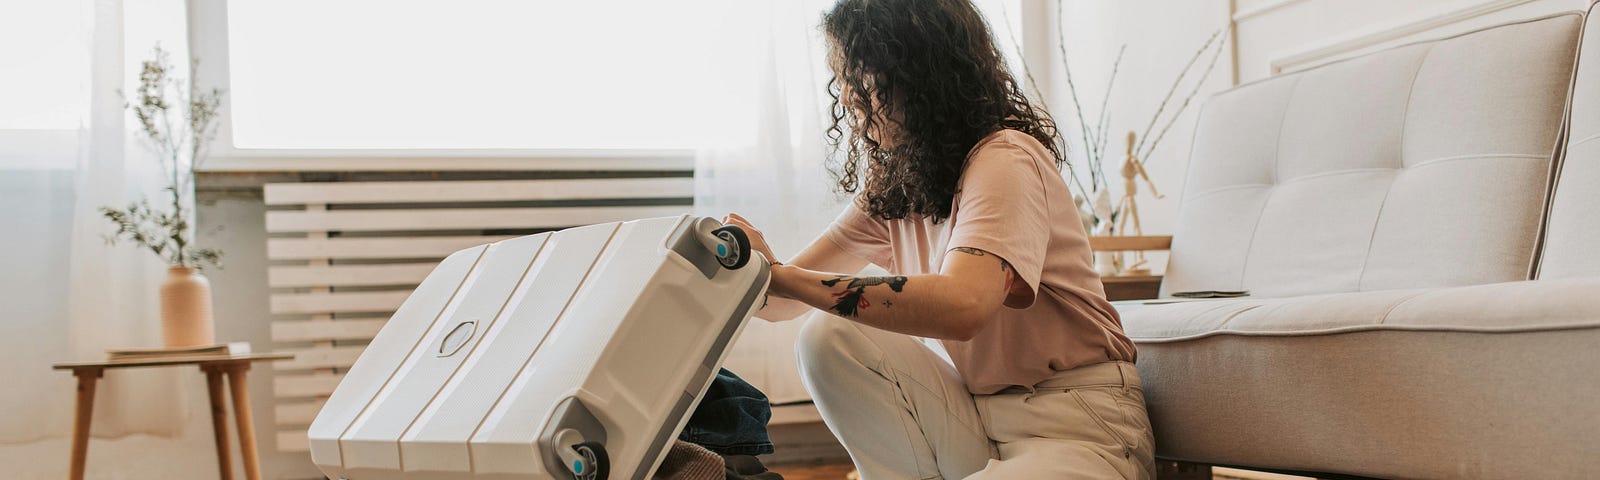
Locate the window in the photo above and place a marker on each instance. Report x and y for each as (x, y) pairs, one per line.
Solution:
(479, 74)
(50, 68)
(502, 74)
(44, 45)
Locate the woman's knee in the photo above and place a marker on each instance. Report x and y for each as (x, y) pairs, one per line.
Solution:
(825, 342)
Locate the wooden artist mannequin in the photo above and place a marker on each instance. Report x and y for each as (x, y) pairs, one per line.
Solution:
(1132, 170)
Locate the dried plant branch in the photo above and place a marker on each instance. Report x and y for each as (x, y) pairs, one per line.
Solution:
(1016, 43)
(1095, 177)
(1161, 108)
(179, 145)
(1027, 72)
(1095, 136)
(1105, 111)
(1144, 155)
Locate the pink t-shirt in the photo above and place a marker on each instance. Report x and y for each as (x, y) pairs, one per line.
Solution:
(1012, 202)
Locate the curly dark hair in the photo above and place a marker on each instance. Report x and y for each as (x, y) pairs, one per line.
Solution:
(917, 83)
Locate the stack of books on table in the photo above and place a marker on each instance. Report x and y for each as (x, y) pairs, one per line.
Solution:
(221, 349)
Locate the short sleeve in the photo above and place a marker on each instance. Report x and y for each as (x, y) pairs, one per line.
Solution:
(861, 235)
(1002, 209)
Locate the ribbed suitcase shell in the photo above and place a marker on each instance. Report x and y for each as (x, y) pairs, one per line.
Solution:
(613, 329)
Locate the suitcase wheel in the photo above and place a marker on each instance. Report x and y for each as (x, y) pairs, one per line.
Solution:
(599, 465)
(734, 250)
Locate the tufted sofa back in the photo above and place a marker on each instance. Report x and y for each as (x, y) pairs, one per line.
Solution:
(1572, 234)
(1425, 165)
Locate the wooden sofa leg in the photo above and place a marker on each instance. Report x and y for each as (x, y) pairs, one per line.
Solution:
(1174, 470)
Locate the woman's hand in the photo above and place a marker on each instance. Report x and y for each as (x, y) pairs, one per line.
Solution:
(758, 242)
(821, 254)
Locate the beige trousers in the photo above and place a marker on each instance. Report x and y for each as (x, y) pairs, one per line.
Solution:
(903, 413)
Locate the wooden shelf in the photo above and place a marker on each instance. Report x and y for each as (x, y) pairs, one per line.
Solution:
(175, 360)
(1131, 279)
(1127, 244)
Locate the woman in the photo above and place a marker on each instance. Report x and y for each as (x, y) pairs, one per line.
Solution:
(958, 195)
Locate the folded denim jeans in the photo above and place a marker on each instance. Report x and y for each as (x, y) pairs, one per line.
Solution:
(731, 419)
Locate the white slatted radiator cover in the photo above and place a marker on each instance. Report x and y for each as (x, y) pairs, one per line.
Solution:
(344, 254)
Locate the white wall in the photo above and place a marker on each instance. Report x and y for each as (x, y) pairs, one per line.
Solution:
(1273, 31)
(1291, 34)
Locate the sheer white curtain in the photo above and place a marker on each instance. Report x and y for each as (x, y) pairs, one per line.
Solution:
(66, 150)
(767, 161)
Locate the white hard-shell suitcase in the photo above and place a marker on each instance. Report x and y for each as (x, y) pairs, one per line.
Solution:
(570, 354)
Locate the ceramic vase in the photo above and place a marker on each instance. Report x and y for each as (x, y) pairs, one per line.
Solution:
(1108, 264)
(186, 309)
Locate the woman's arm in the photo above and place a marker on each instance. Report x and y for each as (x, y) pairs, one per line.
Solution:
(954, 304)
(822, 254)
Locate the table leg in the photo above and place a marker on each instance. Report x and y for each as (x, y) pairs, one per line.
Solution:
(219, 419)
(87, 377)
(246, 422)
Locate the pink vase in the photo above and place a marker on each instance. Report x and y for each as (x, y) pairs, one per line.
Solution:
(186, 309)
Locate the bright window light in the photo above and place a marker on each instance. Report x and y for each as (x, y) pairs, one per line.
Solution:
(511, 74)
(49, 65)
(44, 48)
(476, 74)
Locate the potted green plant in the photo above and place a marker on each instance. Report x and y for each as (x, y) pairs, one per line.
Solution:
(177, 121)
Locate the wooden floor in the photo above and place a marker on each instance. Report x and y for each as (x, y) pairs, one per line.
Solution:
(808, 451)
(838, 472)
(814, 472)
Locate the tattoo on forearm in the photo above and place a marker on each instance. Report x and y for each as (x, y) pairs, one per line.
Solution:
(896, 283)
(850, 301)
(1004, 265)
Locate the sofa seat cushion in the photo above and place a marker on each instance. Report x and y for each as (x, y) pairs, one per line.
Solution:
(1497, 307)
(1485, 381)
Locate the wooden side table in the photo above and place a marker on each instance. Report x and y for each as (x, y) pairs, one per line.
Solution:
(1131, 287)
(215, 367)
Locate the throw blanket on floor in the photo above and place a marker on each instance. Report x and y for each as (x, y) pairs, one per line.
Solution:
(687, 461)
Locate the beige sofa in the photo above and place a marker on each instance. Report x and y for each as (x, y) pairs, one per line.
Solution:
(1419, 233)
